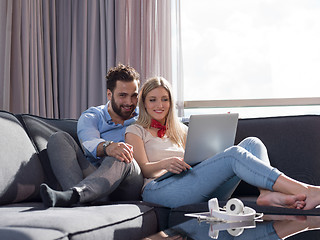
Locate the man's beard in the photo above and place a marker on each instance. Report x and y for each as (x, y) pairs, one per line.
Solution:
(123, 114)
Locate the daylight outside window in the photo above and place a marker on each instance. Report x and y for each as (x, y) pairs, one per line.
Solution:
(257, 50)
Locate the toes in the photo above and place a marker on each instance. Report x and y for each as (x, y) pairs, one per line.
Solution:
(301, 197)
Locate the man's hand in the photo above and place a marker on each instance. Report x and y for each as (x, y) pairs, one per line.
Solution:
(121, 151)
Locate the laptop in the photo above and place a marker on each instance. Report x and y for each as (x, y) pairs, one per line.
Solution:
(208, 135)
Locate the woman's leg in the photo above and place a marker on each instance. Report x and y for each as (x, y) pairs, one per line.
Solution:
(256, 148)
(267, 197)
(204, 179)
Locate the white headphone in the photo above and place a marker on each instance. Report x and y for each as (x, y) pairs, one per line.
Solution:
(233, 228)
(234, 211)
(234, 217)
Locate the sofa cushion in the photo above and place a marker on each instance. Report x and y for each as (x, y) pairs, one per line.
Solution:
(118, 221)
(21, 233)
(40, 129)
(21, 172)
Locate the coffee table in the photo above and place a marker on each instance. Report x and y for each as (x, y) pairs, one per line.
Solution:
(269, 227)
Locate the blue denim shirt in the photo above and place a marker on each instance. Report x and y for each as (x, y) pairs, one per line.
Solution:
(95, 126)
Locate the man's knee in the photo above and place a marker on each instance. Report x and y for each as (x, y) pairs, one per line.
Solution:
(59, 137)
(60, 142)
(130, 170)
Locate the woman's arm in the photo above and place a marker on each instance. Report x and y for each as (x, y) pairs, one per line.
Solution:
(153, 169)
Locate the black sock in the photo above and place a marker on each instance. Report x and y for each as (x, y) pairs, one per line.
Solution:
(52, 198)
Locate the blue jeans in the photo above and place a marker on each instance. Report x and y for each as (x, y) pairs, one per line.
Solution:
(217, 176)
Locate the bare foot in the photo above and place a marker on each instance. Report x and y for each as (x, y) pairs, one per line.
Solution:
(313, 197)
(278, 199)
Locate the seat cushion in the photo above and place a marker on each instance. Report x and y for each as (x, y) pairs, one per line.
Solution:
(118, 221)
(21, 172)
(21, 233)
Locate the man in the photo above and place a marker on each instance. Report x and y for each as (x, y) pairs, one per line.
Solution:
(101, 129)
(111, 172)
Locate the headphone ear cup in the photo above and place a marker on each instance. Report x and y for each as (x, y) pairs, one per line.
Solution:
(235, 231)
(234, 206)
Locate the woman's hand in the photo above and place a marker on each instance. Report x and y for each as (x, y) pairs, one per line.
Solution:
(157, 168)
(175, 165)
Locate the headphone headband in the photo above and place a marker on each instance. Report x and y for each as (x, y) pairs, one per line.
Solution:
(234, 211)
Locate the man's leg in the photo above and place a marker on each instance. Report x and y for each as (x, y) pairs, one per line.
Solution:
(78, 177)
(98, 185)
(124, 181)
(67, 160)
(130, 188)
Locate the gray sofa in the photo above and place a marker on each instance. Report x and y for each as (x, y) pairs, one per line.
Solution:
(24, 166)
(293, 143)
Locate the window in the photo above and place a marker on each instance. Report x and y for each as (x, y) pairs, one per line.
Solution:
(252, 49)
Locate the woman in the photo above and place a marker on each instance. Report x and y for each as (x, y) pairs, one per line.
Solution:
(158, 139)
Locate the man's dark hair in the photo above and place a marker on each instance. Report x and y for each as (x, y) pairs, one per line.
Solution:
(121, 73)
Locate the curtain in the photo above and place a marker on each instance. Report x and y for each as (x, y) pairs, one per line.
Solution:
(54, 54)
(177, 63)
(85, 51)
(153, 41)
(147, 36)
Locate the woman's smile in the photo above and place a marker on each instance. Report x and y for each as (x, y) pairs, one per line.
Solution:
(157, 104)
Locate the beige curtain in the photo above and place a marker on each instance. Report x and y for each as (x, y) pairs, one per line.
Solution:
(22, 58)
(54, 54)
(85, 50)
(177, 63)
(153, 40)
(147, 36)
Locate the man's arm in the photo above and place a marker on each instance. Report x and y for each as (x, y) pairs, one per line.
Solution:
(90, 139)
(89, 135)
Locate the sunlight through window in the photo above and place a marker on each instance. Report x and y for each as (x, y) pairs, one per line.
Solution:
(250, 49)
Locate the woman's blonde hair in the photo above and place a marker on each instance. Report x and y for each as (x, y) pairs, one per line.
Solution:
(175, 130)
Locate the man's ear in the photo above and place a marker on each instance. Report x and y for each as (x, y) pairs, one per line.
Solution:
(109, 94)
